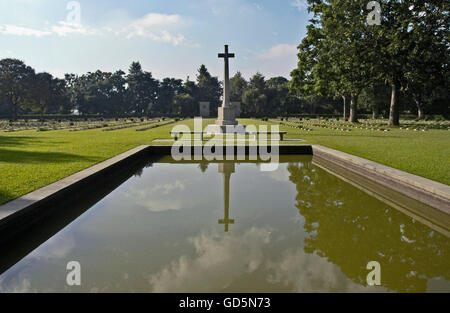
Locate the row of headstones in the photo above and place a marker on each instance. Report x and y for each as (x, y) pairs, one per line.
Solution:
(205, 109)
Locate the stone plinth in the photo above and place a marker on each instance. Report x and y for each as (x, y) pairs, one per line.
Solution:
(226, 116)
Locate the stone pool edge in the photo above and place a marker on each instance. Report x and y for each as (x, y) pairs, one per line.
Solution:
(24, 210)
(416, 187)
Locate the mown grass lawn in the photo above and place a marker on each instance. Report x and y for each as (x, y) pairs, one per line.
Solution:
(30, 159)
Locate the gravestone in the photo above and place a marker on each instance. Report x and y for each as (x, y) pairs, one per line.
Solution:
(204, 109)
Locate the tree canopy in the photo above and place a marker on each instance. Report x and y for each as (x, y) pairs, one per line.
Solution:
(343, 55)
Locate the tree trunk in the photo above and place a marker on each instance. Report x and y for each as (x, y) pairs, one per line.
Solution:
(420, 112)
(353, 118)
(394, 116)
(375, 112)
(345, 107)
(14, 109)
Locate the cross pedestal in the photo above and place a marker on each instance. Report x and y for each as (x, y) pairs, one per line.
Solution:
(226, 117)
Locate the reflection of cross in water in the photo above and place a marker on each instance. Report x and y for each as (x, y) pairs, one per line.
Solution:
(226, 169)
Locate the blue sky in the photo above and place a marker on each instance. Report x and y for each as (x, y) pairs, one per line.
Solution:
(171, 38)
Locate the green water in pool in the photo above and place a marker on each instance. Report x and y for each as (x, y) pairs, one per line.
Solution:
(230, 227)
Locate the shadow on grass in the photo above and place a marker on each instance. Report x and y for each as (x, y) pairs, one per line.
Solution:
(17, 156)
(17, 141)
(5, 197)
(14, 140)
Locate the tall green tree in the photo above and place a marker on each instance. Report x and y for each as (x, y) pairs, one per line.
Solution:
(342, 54)
(117, 93)
(277, 82)
(190, 88)
(209, 87)
(345, 54)
(427, 68)
(43, 91)
(168, 89)
(408, 30)
(185, 105)
(142, 89)
(314, 79)
(16, 79)
(238, 85)
(258, 82)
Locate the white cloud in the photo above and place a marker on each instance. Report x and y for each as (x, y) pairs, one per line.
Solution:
(150, 26)
(157, 200)
(280, 175)
(61, 29)
(155, 26)
(163, 36)
(169, 187)
(279, 51)
(65, 28)
(299, 4)
(219, 260)
(22, 31)
(157, 19)
(16, 279)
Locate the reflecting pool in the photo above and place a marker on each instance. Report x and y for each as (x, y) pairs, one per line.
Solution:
(230, 227)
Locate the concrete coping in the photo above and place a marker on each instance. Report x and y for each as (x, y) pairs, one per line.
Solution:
(421, 183)
(35, 196)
